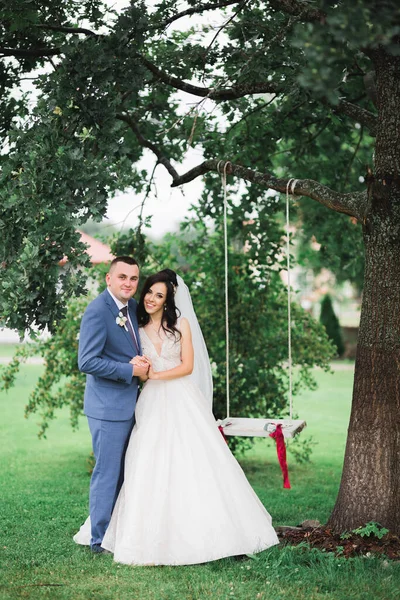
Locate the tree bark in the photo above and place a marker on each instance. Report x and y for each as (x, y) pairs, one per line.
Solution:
(370, 485)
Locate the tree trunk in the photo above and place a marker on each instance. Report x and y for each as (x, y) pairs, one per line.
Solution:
(370, 486)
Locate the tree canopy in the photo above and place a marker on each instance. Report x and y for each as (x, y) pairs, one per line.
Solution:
(282, 92)
(278, 87)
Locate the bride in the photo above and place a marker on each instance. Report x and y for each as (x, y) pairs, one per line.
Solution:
(185, 499)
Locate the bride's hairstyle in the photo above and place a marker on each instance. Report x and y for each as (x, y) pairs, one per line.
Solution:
(171, 312)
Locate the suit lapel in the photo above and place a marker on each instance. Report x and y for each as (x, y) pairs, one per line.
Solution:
(115, 311)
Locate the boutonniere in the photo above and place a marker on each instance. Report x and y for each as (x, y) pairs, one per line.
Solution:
(121, 320)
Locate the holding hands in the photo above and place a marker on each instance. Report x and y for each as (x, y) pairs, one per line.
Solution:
(140, 367)
(143, 368)
(151, 374)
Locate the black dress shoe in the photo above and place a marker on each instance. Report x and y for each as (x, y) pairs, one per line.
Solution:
(98, 549)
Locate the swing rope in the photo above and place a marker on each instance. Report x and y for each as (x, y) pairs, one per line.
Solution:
(290, 189)
(291, 184)
(227, 372)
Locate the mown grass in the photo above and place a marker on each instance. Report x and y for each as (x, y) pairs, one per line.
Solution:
(44, 487)
(7, 349)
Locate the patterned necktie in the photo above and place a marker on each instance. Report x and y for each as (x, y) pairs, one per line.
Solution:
(124, 311)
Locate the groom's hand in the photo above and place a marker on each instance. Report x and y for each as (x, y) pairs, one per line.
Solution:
(140, 366)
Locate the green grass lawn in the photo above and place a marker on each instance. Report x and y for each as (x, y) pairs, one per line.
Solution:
(7, 349)
(44, 486)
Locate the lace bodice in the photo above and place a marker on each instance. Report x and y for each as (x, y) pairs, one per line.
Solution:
(170, 355)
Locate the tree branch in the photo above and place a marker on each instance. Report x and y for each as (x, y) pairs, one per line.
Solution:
(30, 53)
(290, 7)
(65, 29)
(298, 8)
(355, 112)
(39, 52)
(230, 93)
(192, 11)
(353, 204)
(162, 159)
(358, 114)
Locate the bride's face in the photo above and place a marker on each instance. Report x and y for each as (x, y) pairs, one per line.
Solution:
(155, 299)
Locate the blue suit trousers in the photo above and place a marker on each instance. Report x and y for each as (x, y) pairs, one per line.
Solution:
(110, 440)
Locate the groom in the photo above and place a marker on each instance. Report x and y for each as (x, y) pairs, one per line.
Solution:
(109, 354)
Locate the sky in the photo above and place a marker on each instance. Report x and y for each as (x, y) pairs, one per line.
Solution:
(168, 206)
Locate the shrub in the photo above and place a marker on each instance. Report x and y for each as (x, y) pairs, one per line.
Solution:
(331, 323)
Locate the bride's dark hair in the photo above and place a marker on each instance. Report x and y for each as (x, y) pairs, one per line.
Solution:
(171, 312)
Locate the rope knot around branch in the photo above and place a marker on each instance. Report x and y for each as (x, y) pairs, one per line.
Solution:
(227, 168)
(291, 185)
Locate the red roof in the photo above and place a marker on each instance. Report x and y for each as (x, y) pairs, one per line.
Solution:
(98, 252)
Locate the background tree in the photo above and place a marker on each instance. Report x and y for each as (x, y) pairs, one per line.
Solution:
(285, 88)
(331, 323)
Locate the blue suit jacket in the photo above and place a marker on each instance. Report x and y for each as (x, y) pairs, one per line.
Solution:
(105, 350)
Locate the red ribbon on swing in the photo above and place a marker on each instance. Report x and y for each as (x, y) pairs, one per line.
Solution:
(222, 433)
(281, 452)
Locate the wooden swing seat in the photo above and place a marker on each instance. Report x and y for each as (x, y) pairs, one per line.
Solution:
(247, 427)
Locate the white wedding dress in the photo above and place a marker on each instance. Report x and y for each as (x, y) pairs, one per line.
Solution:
(185, 499)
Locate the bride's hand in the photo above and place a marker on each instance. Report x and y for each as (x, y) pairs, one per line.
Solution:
(151, 374)
(147, 359)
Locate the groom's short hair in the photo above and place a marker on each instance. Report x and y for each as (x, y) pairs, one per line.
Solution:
(125, 259)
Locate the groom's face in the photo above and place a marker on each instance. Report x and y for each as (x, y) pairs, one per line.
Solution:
(122, 280)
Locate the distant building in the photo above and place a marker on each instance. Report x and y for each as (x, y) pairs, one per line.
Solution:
(98, 252)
